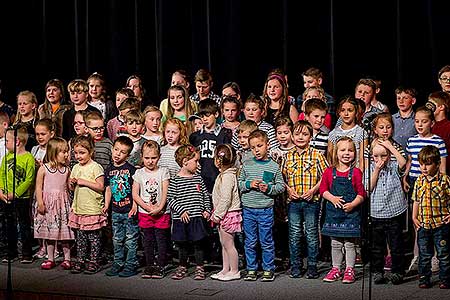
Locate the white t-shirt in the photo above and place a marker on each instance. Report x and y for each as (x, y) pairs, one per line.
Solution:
(2, 148)
(150, 184)
(38, 153)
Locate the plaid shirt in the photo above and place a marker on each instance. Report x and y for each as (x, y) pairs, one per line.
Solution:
(433, 197)
(303, 170)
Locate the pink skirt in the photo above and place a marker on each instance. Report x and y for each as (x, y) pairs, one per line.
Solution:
(84, 222)
(232, 222)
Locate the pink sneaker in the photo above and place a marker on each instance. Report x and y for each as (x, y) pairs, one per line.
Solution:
(333, 275)
(349, 275)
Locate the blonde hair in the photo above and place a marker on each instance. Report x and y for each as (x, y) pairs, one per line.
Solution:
(31, 99)
(246, 125)
(335, 150)
(152, 108)
(150, 144)
(135, 116)
(22, 134)
(186, 151)
(85, 142)
(54, 146)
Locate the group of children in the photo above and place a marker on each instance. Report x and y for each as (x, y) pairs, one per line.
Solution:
(110, 177)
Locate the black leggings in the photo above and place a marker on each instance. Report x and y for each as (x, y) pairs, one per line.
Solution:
(152, 237)
(183, 250)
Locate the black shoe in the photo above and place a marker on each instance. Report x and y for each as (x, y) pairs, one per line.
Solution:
(424, 282)
(396, 278)
(378, 278)
(158, 273)
(312, 273)
(295, 272)
(148, 272)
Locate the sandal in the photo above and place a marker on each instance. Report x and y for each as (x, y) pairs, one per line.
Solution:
(180, 273)
(199, 273)
(47, 265)
(92, 268)
(77, 268)
(66, 265)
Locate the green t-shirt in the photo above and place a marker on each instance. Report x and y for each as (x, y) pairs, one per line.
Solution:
(25, 174)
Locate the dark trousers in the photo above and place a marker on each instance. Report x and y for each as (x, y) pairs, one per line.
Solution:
(17, 214)
(155, 237)
(389, 230)
(183, 250)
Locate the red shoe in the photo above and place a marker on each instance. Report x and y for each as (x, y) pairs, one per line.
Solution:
(47, 265)
(66, 265)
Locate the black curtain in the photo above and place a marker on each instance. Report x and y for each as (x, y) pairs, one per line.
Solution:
(399, 42)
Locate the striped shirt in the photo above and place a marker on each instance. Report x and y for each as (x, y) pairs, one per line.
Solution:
(264, 126)
(433, 197)
(303, 170)
(357, 134)
(415, 144)
(188, 194)
(269, 172)
(167, 160)
(319, 141)
(103, 152)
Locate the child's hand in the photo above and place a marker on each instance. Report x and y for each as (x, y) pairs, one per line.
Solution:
(416, 223)
(3, 197)
(148, 208)
(206, 215)
(292, 193)
(308, 195)
(348, 207)
(255, 183)
(41, 208)
(337, 201)
(10, 197)
(105, 210)
(81, 182)
(386, 143)
(215, 219)
(446, 219)
(132, 211)
(185, 217)
(406, 185)
(156, 211)
(263, 187)
(380, 164)
(73, 182)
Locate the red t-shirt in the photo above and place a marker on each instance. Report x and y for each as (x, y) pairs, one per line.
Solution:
(442, 129)
(327, 180)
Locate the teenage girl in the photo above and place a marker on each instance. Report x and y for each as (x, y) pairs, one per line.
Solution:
(27, 115)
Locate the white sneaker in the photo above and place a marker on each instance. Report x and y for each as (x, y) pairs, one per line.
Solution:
(230, 277)
(414, 266)
(434, 265)
(216, 276)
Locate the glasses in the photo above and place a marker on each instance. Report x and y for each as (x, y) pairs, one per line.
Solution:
(96, 128)
(444, 79)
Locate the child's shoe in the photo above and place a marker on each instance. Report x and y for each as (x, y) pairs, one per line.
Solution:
(92, 268)
(395, 278)
(148, 272)
(444, 285)
(378, 278)
(295, 272)
(333, 275)
(114, 271)
(26, 260)
(216, 276)
(180, 273)
(48, 264)
(199, 273)
(41, 253)
(312, 273)
(349, 275)
(388, 263)
(424, 282)
(251, 276)
(128, 272)
(268, 276)
(66, 265)
(158, 273)
(78, 267)
(230, 277)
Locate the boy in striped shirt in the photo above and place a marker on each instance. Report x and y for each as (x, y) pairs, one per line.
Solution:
(315, 112)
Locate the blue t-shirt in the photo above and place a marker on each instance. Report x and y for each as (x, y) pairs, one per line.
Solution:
(120, 180)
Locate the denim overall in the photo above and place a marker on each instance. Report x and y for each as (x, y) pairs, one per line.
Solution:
(338, 223)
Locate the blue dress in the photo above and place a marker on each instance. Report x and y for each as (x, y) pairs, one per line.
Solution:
(338, 223)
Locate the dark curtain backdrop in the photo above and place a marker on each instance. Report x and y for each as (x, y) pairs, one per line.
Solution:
(399, 42)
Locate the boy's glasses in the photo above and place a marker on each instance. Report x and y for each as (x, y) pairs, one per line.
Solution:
(96, 128)
(445, 79)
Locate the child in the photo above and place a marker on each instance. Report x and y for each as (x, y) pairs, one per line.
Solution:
(45, 130)
(196, 122)
(387, 209)
(153, 124)
(348, 108)
(342, 186)
(431, 217)
(27, 115)
(86, 217)
(190, 207)
(316, 93)
(230, 108)
(303, 169)
(99, 98)
(179, 105)
(444, 78)
(135, 124)
(376, 102)
(134, 83)
(227, 211)
(404, 127)
(283, 129)
(150, 193)
(4, 124)
(52, 215)
(78, 90)
(179, 77)
(116, 126)
(315, 114)
(118, 183)
(242, 133)
(365, 90)
(206, 140)
(103, 145)
(79, 127)
(439, 102)
(260, 180)
(203, 84)
(174, 134)
(122, 94)
(17, 207)
(254, 109)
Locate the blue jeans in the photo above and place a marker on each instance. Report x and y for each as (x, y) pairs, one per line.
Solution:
(125, 237)
(308, 213)
(258, 223)
(427, 240)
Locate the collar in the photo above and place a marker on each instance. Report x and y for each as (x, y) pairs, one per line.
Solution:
(398, 116)
(302, 151)
(215, 131)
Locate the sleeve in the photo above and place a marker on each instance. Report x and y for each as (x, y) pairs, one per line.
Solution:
(244, 186)
(325, 184)
(415, 188)
(193, 139)
(205, 196)
(172, 198)
(3, 172)
(30, 167)
(442, 149)
(235, 142)
(273, 142)
(107, 176)
(225, 194)
(278, 187)
(165, 174)
(98, 171)
(322, 164)
(408, 147)
(358, 183)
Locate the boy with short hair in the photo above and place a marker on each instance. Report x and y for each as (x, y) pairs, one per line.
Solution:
(303, 170)
(431, 217)
(116, 126)
(203, 84)
(118, 183)
(17, 207)
(404, 127)
(196, 121)
(210, 136)
(260, 180)
(438, 102)
(444, 78)
(240, 137)
(365, 90)
(135, 121)
(103, 145)
(315, 112)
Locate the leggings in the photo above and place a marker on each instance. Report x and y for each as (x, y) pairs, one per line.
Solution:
(336, 252)
(183, 250)
(88, 240)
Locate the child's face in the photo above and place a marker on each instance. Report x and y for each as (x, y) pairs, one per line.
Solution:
(301, 137)
(379, 153)
(203, 88)
(119, 99)
(309, 81)
(191, 165)
(383, 129)
(3, 126)
(96, 129)
(78, 125)
(78, 98)
(178, 80)
(313, 94)
(243, 139)
(429, 169)
(134, 128)
(422, 123)
(345, 151)
(229, 92)
(230, 111)
(172, 134)
(348, 113)
(176, 100)
(43, 135)
(153, 121)
(10, 141)
(63, 156)
(150, 158)
(209, 120)
(274, 89)
(405, 102)
(316, 118)
(253, 112)
(445, 82)
(134, 85)
(95, 88)
(198, 124)
(365, 93)
(284, 135)
(120, 153)
(53, 94)
(259, 148)
(82, 155)
(25, 106)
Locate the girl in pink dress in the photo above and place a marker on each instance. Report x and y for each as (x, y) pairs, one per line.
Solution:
(53, 207)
